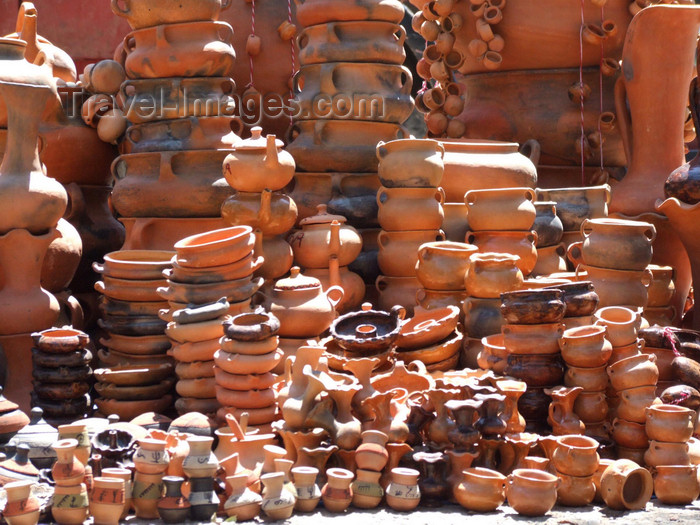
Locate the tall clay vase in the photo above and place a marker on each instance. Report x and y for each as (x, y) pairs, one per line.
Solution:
(277, 503)
(146, 491)
(337, 492)
(654, 82)
(21, 508)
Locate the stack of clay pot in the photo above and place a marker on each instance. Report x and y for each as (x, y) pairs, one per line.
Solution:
(62, 374)
(669, 427)
(178, 98)
(659, 310)
(633, 377)
(130, 306)
(371, 457)
(350, 57)
(614, 256)
(410, 214)
(488, 275)
(586, 352)
(244, 363)
(258, 169)
(551, 252)
(324, 247)
(575, 461)
(211, 277)
(531, 339)
(32, 205)
(70, 498)
(581, 302)
(661, 343)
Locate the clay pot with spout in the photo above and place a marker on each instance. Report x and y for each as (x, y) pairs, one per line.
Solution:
(501, 209)
(562, 417)
(520, 243)
(303, 308)
(410, 208)
(274, 213)
(490, 274)
(323, 235)
(410, 163)
(259, 163)
(443, 265)
(335, 275)
(635, 371)
(617, 244)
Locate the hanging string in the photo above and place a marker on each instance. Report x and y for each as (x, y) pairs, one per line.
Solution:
(294, 58)
(580, 79)
(252, 32)
(600, 87)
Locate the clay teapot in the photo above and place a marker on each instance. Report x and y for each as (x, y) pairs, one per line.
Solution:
(323, 235)
(273, 212)
(301, 305)
(259, 163)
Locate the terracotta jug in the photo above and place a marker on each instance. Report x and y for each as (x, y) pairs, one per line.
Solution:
(410, 208)
(519, 243)
(635, 371)
(490, 274)
(21, 508)
(531, 492)
(438, 429)
(68, 470)
(443, 265)
(410, 163)
(433, 484)
(464, 412)
(512, 390)
(173, 507)
(381, 406)
(500, 209)
(653, 143)
(676, 484)
(591, 407)
(562, 417)
(323, 235)
(485, 164)
(616, 243)
(343, 427)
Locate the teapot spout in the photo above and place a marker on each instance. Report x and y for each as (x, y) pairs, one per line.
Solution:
(272, 154)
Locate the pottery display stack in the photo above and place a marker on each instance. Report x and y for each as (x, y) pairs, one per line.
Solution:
(410, 214)
(324, 247)
(70, 498)
(258, 169)
(352, 58)
(614, 256)
(243, 367)
(129, 307)
(581, 302)
(371, 457)
(531, 339)
(179, 101)
(62, 374)
(659, 309)
(633, 377)
(32, 205)
(586, 353)
(575, 461)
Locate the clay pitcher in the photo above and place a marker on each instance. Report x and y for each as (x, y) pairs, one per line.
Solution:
(562, 417)
(653, 79)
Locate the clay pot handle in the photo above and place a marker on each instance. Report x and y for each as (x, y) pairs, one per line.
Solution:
(623, 116)
(440, 195)
(382, 239)
(75, 310)
(586, 228)
(335, 290)
(406, 80)
(166, 173)
(398, 311)
(420, 295)
(530, 195)
(650, 234)
(118, 11)
(647, 279)
(100, 287)
(533, 147)
(129, 44)
(113, 168)
(532, 237)
(423, 253)
(99, 268)
(402, 132)
(441, 236)
(574, 253)
(76, 202)
(318, 132)
(401, 35)
(470, 198)
(302, 39)
(380, 283)
(381, 151)
(333, 32)
(164, 292)
(578, 269)
(327, 84)
(296, 88)
(381, 193)
(441, 149)
(236, 125)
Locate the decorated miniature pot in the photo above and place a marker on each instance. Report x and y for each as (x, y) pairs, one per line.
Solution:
(481, 490)
(107, 500)
(201, 461)
(336, 493)
(308, 492)
(70, 504)
(173, 507)
(490, 274)
(151, 457)
(500, 209)
(21, 508)
(367, 493)
(532, 492)
(371, 454)
(68, 471)
(402, 493)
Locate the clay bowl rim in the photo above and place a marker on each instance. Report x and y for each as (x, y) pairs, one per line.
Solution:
(446, 317)
(573, 333)
(534, 475)
(485, 473)
(616, 309)
(219, 239)
(103, 375)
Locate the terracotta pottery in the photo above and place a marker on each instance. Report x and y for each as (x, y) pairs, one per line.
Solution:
(634, 402)
(648, 156)
(512, 390)
(389, 85)
(621, 323)
(562, 418)
(403, 493)
(632, 372)
(662, 453)
(493, 355)
(151, 457)
(68, 470)
(340, 145)
(187, 49)
(204, 502)
(410, 163)
(532, 338)
(617, 244)
(278, 256)
(312, 12)
(576, 456)
(273, 213)
(481, 490)
(574, 205)
(676, 484)
(71, 504)
(550, 259)
(262, 160)
(215, 248)
(629, 434)
(160, 233)
(531, 492)
(482, 164)
(519, 243)
(21, 508)
(141, 14)
(442, 265)
(547, 224)
(532, 306)
(344, 42)
(337, 493)
(107, 500)
(308, 492)
(410, 208)
(537, 370)
(455, 223)
(135, 264)
(147, 490)
(500, 209)
(591, 406)
(618, 287)
(367, 493)
(398, 250)
(490, 274)
(193, 179)
(580, 298)
(173, 507)
(191, 133)
(575, 491)
(585, 346)
(590, 379)
(397, 290)
(669, 423)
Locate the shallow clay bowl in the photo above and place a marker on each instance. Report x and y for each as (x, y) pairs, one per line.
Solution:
(134, 392)
(252, 326)
(337, 356)
(61, 391)
(443, 366)
(75, 358)
(132, 326)
(109, 358)
(368, 331)
(117, 308)
(440, 351)
(63, 375)
(213, 274)
(427, 327)
(190, 352)
(235, 291)
(532, 306)
(137, 345)
(201, 387)
(130, 375)
(128, 410)
(215, 248)
(128, 290)
(60, 340)
(68, 409)
(235, 308)
(139, 265)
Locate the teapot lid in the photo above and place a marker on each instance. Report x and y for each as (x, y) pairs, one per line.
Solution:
(256, 141)
(322, 217)
(297, 281)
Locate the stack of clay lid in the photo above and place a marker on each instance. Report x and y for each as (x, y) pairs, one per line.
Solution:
(244, 379)
(136, 346)
(12, 419)
(62, 374)
(195, 333)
